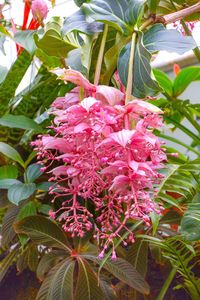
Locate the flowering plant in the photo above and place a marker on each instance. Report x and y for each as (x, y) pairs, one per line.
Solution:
(92, 193)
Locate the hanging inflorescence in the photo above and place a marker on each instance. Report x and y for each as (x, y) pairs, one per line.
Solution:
(103, 157)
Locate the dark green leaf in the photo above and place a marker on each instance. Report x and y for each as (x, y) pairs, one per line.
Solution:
(143, 82)
(47, 261)
(125, 272)
(20, 191)
(62, 283)
(10, 152)
(137, 256)
(190, 223)
(87, 279)
(21, 122)
(123, 15)
(42, 231)
(78, 22)
(7, 262)
(159, 38)
(7, 183)
(29, 209)
(7, 230)
(8, 171)
(44, 186)
(32, 173)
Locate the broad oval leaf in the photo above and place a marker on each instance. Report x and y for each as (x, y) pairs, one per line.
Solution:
(144, 84)
(78, 22)
(32, 173)
(25, 39)
(10, 152)
(123, 15)
(7, 230)
(43, 232)
(20, 191)
(164, 81)
(159, 38)
(29, 209)
(21, 122)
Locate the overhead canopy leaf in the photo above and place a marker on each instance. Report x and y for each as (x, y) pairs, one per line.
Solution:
(159, 38)
(143, 80)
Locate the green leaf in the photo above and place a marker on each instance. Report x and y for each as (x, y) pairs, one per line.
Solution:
(159, 38)
(32, 173)
(7, 262)
(21, 122)
(29, 209)
(137, 256)
(87, 278)
(184, 78)
(164, 81)
(43, 232)
(78, 22)
(125, 272)
(62, 283)
(25, 39)
(20, 191)
(123, 15)
(3, 71)
(190, 223)
(52, 42)
(8, 171)
(47, 261)
(143, 81)
(44, 186)
(7, 183)
(155, 218)
(7, 230)
(11, 153)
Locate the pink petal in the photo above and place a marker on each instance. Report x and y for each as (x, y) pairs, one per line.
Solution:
(70, 99)
(62, 170)
(120, 182)
(122, 137)
(87, 103)
(109, 95)
(142, 108)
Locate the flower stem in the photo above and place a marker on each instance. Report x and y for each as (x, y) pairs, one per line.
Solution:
(100, 56)
(187, 31)
(130, 69)
(180, 14)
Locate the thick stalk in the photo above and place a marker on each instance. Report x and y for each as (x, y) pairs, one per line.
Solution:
(130, 70)
(166, 284)
(100, 56)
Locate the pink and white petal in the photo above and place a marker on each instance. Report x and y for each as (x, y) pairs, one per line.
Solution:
(120, 182)
(109, 95)
(122, 137)
(141, 107)
(87, 103)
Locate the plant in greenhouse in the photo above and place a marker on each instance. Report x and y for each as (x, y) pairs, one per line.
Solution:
(92, 199)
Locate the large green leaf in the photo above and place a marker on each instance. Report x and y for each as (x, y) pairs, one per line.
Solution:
(32, 173)
(7, 262)
(43, 232)
(164, 81)
(184, 78)
(47, 262)
(137, 256)
(7, 183)
(12, 81)
(125, 272)
(62, 283)
(190, 223)
(10, 152)
(29, 209)
(144, 83)
(25, 39)
(20, 191)
(78, 22)
(159, 38)
(21, 122)
(7, 230)
(122, 14)
(87, 279)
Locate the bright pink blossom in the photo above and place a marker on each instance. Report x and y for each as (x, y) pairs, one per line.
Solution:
(96, 159)
(39, 10)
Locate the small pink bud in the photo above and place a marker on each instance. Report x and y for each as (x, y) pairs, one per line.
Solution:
(52, 214)
(101, 255)
(114, 256)
(39, 10)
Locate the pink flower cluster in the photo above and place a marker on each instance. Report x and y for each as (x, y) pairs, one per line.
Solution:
(39, 10)
(104, 159)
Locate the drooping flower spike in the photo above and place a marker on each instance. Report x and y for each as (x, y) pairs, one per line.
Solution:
(96, 157)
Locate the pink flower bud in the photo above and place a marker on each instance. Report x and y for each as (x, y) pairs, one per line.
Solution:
(39, 10)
